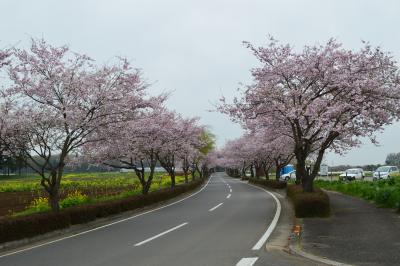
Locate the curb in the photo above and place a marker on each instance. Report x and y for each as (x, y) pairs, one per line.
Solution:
(294, 247)
(298, 251)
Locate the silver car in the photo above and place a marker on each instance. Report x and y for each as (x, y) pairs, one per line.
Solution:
(385, 172)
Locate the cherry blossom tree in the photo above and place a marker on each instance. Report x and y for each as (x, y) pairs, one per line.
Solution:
(4, 55)
(236, 155)
(259, 151)
(323, 97)
(178, 139)
(200, 159)
(59, 98)
(130, 145)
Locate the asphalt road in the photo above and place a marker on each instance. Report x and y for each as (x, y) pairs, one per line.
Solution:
(219, 225)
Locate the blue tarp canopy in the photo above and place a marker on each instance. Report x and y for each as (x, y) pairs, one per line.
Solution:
(287, 169)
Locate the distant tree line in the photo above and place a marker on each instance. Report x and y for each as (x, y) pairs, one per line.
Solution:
(20, 165)
(393, 159)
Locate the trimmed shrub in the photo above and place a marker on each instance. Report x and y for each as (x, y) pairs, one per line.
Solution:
(14, 228)
(28, 226)
(306, 204)
(273, 183)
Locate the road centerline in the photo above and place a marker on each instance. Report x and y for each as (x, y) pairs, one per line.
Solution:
(213, 208)
(160, 234)
(247, 261)
(229, 195)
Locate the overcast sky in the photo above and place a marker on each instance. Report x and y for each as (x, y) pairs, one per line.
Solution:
(194, 48)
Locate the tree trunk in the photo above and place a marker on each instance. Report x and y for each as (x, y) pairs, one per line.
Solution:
(204, 171)
(193, 172)
(301, 171)
(56, 182)
(172, 175)
(259, 170)
(302, 174)
(308, 184)
(53, 189)
(251, 171)
(199, 170)
(54, 199)
(278, 170)
(243, 172)
(168, 163)
(185, 168)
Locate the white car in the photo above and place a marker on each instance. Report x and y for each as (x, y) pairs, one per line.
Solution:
(288, 176)
(352, 174)
(385, 172)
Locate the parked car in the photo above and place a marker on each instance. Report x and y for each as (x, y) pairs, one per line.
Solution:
(385, 172)
(352, 174)
(288, 172)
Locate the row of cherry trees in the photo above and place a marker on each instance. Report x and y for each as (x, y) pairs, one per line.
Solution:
(257, 153)
(58, 107)
(324, 97)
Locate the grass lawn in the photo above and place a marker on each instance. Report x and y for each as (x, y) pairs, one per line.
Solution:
(385, 193)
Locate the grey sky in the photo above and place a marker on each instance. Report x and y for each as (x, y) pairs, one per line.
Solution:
(194, 48)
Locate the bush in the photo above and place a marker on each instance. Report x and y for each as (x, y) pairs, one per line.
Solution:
(73, 199)
(40, 204)
(309, 204)
(14, 228)
(275, 184)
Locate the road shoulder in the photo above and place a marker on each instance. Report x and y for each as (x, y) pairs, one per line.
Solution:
(356, 233)
(277, 247)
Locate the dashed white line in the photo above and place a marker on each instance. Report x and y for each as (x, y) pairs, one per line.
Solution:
(229, 195)
(213, 208)
(247, 261)
(230, 190)
(160, 234)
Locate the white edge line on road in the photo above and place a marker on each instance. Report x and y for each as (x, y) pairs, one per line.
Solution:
(160, 234)
(247, 261)
(229, 195)
(273, 224)
(213, 208)
(106, 225)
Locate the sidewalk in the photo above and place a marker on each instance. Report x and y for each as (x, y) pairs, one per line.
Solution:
(357, 233)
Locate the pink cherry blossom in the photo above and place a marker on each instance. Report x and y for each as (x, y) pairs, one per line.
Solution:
(323, 98)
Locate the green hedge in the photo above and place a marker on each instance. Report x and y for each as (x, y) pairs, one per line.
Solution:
(385, 193)
(306, 204)
(14, 228)
(275, 184)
